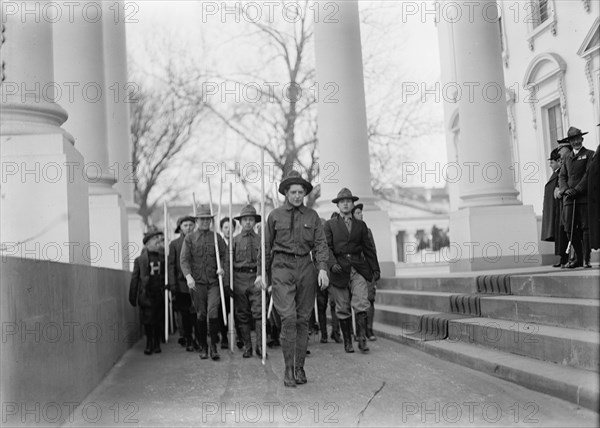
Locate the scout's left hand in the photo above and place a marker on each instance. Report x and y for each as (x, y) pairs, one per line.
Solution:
(220, 272)
(571, 193)
(376, 276)
(323, 279)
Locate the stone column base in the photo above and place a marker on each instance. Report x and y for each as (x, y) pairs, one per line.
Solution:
(490, 238)
(108, 231)
(136, 233)
(44, 204)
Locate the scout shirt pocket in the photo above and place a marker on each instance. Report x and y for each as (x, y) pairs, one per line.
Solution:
(283, 232)
(308, 234)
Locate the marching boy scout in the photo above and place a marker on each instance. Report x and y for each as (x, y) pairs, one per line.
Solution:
(247, 297)
(146, 289)
(199, 265)
(353, 264)
(292, 231)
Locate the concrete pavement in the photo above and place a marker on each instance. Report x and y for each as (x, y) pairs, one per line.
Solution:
(393, 385)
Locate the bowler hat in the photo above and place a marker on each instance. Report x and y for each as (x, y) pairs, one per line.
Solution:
(554, 155)
(248, 211)
(344, 194)
(572, 134)
(204, 212)
(151, 234)
(294, 177)
(180, 220)
(357, 207)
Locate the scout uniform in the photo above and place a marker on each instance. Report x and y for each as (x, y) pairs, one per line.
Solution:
(292, 232)
(182, 301)
(572, 181)
(198, 259)
(247, 297)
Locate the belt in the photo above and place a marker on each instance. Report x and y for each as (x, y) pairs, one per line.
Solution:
(348, 255)
(298, 256)
(245, 269)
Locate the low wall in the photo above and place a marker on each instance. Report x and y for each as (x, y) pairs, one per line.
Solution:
(63, 328)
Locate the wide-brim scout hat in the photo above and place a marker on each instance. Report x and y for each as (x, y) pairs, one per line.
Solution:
(248, 211)
(572, 134)
(151, 234)
(344, 194)
(294, 177)
(180, 220)
(204, 212)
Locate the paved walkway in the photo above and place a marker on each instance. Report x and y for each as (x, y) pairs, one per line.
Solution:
(393, 385)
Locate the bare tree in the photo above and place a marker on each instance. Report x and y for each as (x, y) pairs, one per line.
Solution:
(161, 127)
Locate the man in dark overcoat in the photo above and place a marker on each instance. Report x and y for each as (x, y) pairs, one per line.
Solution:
(593, 177)
(353, 263)
(573, 186)
(147, 286)
(550, 231)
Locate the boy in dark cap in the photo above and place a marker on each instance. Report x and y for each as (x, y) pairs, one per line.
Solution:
(199, 265)
(146, 289)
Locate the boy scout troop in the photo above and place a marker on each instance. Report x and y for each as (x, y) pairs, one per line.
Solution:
(302, 253)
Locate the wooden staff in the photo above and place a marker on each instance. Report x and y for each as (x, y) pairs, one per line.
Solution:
(231, 318)
(263, 271)
(218, 256)
(572, 228)
(168, 314)
(353, 322)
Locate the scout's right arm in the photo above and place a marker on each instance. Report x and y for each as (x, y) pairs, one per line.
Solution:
(172, 262)
(269, 238)
(185, 262)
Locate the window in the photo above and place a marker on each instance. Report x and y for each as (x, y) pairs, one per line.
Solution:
(541, 13)
(555, 127)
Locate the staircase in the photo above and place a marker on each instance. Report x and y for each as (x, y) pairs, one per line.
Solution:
(539, 330)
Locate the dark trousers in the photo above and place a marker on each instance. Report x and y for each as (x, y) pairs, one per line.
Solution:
(294, 282)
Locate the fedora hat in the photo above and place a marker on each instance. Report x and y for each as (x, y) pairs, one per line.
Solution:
(151, 234)
(180, 220)
(554, 155)
(572, 134)
(204, 212)
(294, 177)
(345, 193)
(248, 211)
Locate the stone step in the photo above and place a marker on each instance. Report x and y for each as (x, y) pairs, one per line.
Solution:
(581, 314)
(567, 383)
(450, 284)
(583, 284)
(565, 346)
(406, 319)
(428, 300)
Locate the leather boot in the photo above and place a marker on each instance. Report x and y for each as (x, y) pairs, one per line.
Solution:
(149, 340)
(157, 337)
(361, 330)
(301, 351)
(288, 356)
(346, 326)
(201, 328)
(370, 316)
(586, 250)
(214, 338)
(246, 339)
(335, 326)
(258, 330)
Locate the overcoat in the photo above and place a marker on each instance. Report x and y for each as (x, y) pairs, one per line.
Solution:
(147, 293)
(593, 177)
(548, 211)
(350, 249)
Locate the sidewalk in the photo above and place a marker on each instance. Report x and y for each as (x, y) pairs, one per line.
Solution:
(393, 385)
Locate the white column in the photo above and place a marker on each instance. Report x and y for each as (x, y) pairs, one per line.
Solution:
(79, 54)
(491, 229)
(44, 210)
(118, 103)
(342, 119)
